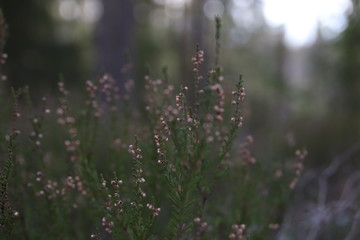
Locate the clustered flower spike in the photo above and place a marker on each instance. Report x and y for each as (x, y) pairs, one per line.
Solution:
(66, 119)
(3, 58)
(239, 95)
(135, 153)
(52, 189)
(239, 232)
(155, 211)
(92, 90)
(36, 134)
(298, 166)
(219, 106)
(159, 148)
(109, 88)
(139, 179)
(200, 226)
(113, 203)
(197, 61)
(107, 224)
(180, 101)
(245, 153)
(62, 89)
(153, 87)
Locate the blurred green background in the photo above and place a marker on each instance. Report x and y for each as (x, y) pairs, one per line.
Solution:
(300, 88)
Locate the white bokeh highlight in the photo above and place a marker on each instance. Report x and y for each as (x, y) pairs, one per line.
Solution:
(301, 18)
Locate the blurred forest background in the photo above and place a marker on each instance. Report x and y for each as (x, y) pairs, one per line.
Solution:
(307, 92)
(300, 60)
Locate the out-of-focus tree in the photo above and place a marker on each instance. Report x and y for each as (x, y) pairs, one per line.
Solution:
(38, 55)
(114, 36)
(347, 98)
(350, 67)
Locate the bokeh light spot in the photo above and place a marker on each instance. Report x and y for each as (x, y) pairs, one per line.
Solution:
(92, 10)
(213, 8)
(69, 10)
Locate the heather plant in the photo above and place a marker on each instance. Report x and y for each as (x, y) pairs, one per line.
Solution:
(95, 167)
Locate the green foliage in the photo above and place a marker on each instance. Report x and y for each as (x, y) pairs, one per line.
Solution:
(7, 214)
(80, 173)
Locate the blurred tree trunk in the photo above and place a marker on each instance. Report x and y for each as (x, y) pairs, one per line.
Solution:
(114, 36)
(349, 84)
(194, 32)
(350, 71)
